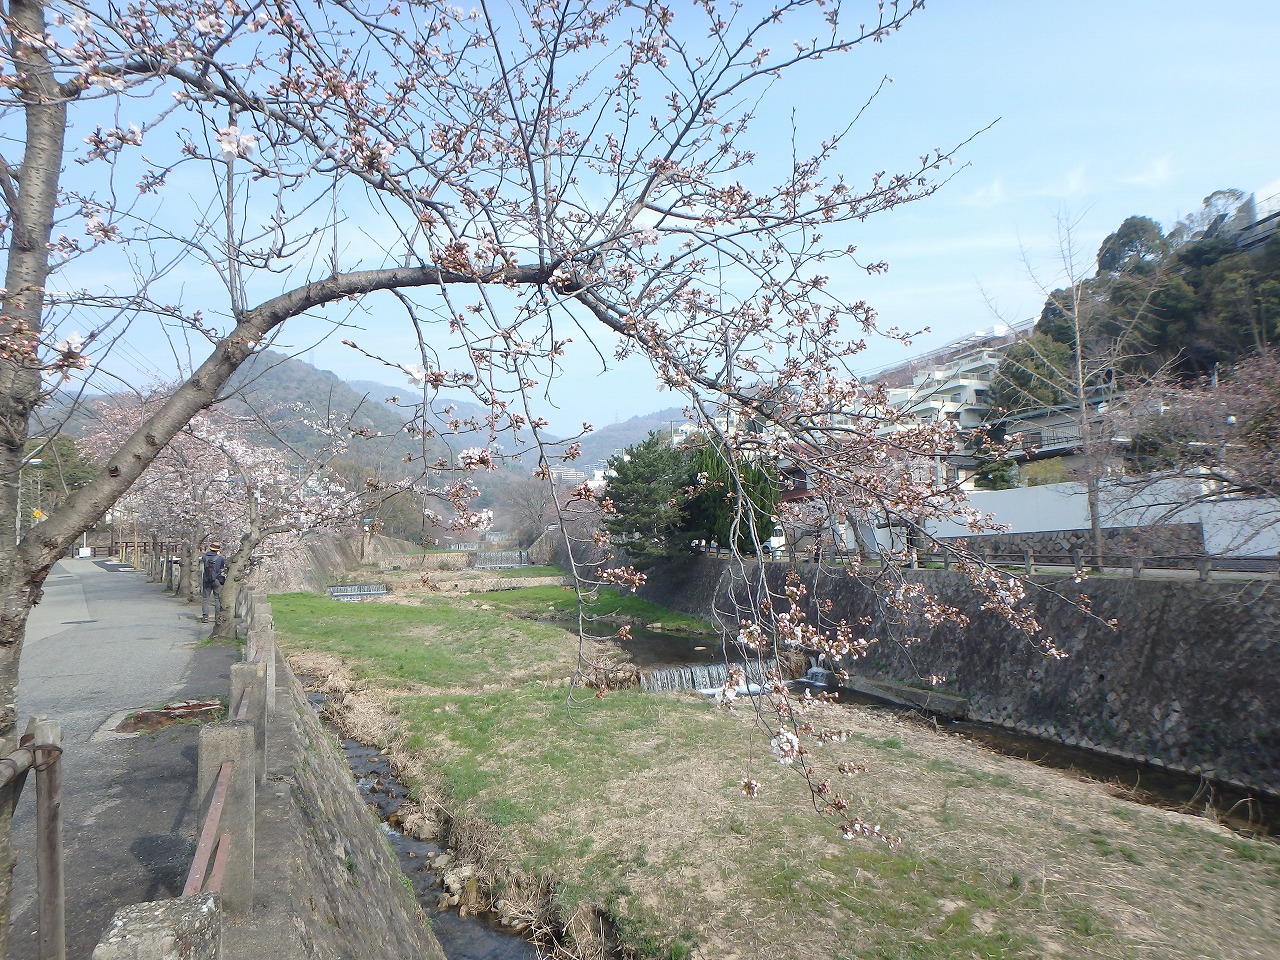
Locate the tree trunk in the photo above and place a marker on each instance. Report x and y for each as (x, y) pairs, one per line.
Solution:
(32, 197)
(153, 562)
(237, 571)
(1093, 497)
(190, 588)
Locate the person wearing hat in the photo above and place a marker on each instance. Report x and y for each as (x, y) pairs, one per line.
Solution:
(213, 576)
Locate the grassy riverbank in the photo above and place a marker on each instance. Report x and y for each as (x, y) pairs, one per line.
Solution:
(631, 804)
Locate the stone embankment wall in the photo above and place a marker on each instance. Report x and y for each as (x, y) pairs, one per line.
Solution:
(307, 564)
(1187, 680)
(1119, 544)
(330, 870)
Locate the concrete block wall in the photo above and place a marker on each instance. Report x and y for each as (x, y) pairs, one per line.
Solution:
(328, 875)
(1118, 543)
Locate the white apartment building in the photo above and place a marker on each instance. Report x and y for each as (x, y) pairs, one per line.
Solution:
(958, 390)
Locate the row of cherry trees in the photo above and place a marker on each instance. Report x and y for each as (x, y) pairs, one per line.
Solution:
(210, 483)
(502, 182)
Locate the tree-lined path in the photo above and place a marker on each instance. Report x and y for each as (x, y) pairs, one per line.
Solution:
(103, 641)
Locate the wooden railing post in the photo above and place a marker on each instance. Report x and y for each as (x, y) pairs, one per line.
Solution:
(47, 747)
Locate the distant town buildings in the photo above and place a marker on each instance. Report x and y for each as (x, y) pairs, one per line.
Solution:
(1256, 220)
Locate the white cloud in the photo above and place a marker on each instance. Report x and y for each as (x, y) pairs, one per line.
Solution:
(988, 195)
(1158, 173)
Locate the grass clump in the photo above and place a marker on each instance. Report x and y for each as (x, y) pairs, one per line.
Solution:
(437, 641)
(609, 603)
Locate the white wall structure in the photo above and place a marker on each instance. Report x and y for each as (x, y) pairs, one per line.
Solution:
(1243, 528)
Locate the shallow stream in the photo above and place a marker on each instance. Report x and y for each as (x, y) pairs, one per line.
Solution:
(672, 661)
(469, 938)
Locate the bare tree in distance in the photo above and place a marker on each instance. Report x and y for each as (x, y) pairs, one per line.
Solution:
(1214, 441)
(507, 181)
(1092, 326)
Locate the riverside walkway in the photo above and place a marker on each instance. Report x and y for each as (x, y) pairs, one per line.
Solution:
(102, 643)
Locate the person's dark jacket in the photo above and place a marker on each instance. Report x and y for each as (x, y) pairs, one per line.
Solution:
(214, 573)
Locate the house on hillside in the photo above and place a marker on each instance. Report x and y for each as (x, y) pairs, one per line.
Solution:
(1256, 220)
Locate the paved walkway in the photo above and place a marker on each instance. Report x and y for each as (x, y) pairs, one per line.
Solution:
(101, 643)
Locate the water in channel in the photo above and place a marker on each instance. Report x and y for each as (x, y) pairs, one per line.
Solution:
(472, 938)
(671, 661)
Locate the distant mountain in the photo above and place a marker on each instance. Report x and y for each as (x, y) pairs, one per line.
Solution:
(603, 443)
(597, 446)
(463, 409)
(290, 395)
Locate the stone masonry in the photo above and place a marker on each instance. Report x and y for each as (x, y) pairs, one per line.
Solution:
(1187, 679)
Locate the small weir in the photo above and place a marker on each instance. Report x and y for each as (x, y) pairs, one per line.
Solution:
(702, 676)
(470, 938)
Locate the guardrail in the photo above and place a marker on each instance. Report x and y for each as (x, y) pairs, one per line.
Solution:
(1079, 562)
(231, 765)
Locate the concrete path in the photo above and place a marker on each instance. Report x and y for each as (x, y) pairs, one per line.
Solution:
(104, 642)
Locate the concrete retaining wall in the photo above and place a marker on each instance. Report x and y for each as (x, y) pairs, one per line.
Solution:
(1188, 679)
(307, 564)
(1118, 543)
(329, 875)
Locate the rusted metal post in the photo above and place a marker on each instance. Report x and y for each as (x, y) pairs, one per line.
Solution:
(47, 747)
(233, 742)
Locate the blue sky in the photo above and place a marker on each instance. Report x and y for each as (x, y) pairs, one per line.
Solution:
(1100, 110)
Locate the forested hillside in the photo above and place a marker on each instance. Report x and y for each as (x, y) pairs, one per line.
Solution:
(1181, 303)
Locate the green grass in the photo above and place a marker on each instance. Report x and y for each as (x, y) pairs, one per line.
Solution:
(576, 752)
(437, 642)
(563, 601)
(630, 802)
(518, 757)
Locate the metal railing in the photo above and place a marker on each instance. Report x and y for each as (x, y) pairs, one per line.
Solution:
(1030, 562)
(356, 591)
(1136, 565)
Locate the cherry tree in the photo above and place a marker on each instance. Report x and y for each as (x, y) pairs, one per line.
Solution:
(212, 482)
(507, 181)
(181, 497)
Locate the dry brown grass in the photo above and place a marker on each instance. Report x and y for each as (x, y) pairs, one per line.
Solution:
(642, 822)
